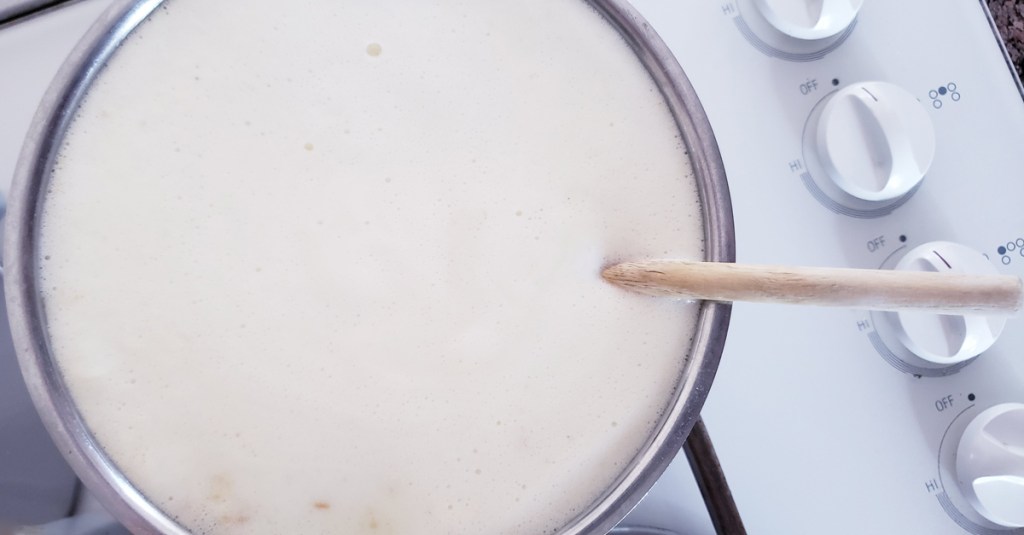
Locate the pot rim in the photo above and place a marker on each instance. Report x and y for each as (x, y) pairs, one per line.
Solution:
(66, 424)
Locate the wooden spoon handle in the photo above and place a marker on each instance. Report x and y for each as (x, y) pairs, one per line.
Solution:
(942, 293)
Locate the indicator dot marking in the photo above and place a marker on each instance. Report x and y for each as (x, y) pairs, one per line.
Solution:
(903, 238)
(1001, 250)
(970, 397)
(942, 90)
(835, 81)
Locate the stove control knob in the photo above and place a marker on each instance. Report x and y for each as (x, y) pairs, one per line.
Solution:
(990, 464)
(938, 338)
(809, 20)
(874, 140)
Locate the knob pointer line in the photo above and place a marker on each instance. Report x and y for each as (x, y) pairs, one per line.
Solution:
(874, 289)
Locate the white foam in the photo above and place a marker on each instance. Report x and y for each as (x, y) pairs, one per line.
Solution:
(334, 267)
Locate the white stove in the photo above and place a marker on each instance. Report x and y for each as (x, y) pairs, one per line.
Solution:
(824, 420)
(880, 135)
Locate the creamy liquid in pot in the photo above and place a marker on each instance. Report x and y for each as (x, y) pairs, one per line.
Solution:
(333, 267)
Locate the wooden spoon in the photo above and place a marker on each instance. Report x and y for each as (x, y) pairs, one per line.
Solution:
(875, 289)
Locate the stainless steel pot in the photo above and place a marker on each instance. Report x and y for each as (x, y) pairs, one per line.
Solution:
(96, 469)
